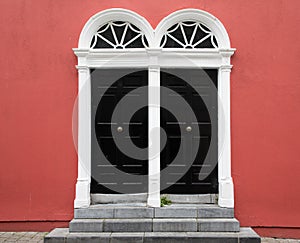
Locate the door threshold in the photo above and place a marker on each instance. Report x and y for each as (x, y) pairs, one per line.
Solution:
(140, 199)
(192, 198)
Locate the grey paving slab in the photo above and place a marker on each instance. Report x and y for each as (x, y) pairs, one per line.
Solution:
(174, 225)
(176, 212)
(21, 236)
(94, 212)
(274, 240)
(30, 234)
(133, 212)
(88, 237)
(127, 225)
(57, 235)
(204, 198)
(218, 225)
(248, 235)
(212, 237)
(119, 198)
(86, 225)
(215, 212)
(127, 237)
(160, 237)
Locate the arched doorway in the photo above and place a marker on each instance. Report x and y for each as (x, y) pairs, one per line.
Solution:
(185, 41)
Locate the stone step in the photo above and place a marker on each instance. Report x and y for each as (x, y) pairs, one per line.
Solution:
(62, 235)
(120, 211)
(119, 198)
(193, 199)
(142, 198)
(155, 225)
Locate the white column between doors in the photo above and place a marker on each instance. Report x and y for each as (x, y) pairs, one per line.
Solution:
(154, 130)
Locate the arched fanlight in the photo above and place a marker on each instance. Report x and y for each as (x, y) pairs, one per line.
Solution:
(118, 35)
(189, 35)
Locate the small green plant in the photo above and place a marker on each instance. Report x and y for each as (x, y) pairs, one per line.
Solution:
(216, 199)
(164, 201)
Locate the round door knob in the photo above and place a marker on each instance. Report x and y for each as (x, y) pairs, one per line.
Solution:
(120, 129)
(188, 129)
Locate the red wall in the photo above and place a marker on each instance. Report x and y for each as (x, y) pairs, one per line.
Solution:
(39, 84)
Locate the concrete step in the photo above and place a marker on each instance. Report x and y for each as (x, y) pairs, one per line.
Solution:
(120, 211)
(155, 225)
(62, 235)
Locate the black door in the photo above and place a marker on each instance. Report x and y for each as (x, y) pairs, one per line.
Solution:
(199, 90)
(108, 89)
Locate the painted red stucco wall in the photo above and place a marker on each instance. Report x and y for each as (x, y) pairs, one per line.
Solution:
(39, 84)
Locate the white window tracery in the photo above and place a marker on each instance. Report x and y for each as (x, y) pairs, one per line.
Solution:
(189, 35)
(119, 35)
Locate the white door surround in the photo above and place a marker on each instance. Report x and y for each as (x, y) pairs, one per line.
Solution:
(153, 57)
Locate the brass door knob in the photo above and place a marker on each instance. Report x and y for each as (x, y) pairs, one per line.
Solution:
(120, 129)
(188, 129)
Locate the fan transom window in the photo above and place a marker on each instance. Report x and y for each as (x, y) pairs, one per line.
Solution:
(189, 35)
(119, 35)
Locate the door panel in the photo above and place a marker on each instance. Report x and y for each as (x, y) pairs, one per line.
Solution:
(108, 88)
(199, 89)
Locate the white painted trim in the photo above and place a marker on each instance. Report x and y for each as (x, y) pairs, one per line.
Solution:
(153, 58)
(154, 122)
(114, 14)
(84, 139)
(191, 14)
(226, 190)
(205, 58)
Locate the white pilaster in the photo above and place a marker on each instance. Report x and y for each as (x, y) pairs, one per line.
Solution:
(82, 198)
(226, 192)
(153, 129)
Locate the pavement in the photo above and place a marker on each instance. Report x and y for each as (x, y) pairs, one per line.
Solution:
(37, 237)
(32, 237)
(273, 240)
